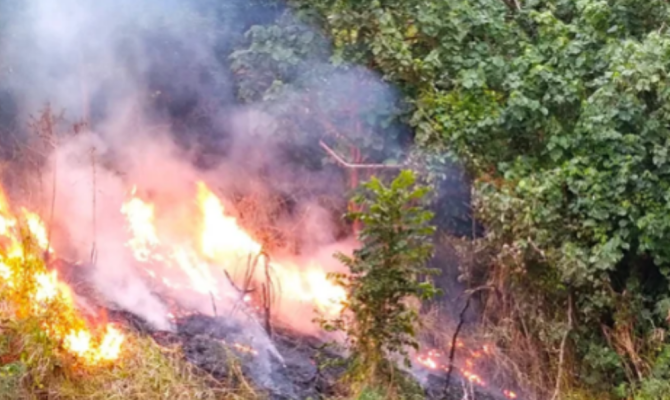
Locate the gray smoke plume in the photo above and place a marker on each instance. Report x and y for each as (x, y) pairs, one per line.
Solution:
(131, 69)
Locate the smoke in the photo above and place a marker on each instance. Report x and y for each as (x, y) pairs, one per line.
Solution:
(152, 81)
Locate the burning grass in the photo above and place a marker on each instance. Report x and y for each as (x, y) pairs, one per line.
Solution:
(144, 371)
(48, 349)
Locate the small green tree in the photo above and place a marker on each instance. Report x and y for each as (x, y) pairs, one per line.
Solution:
(386, 274)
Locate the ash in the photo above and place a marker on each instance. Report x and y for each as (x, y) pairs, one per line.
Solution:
(285, 366)
(288, 369)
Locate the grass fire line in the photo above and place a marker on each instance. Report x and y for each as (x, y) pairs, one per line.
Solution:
(178, 259)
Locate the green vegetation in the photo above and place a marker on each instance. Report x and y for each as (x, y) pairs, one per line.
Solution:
(560, 111)
(386, 273)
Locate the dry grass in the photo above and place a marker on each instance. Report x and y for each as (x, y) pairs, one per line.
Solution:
(144, 371)
(35, 366)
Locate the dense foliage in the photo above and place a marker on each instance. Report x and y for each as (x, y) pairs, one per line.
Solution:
(560, 111)
(385, 275)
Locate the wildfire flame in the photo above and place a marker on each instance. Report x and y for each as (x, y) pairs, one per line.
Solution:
(212, 243)
(35, 289)
(194, 255)
(435, 360)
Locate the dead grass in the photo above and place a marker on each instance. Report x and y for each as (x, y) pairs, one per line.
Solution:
(35, 366)
(34, 369)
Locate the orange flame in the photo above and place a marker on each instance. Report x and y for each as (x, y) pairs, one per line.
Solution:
(44, 288)
(219, 244)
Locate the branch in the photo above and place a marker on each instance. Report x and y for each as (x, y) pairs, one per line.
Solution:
(241, 292)
(211, 296)
(513, 5)
(345, 164)
(454, 338)
(561, 357)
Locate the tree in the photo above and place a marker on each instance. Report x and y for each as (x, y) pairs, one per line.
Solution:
(560, 109)
(385, 274)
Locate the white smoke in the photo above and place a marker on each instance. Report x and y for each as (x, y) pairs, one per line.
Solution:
(74, 53)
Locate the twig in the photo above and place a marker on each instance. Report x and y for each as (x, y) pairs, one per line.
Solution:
(49, 135)
(267, 301)
(561, 357)
(211, 296)
(454, 338)
(513, 5)
(94, 225)
(345, 164)
(241, 292)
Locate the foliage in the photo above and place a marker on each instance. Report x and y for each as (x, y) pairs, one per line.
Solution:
(283, 68)
(385, 274)
(560, 110)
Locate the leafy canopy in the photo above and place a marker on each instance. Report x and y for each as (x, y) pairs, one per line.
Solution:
(561, 110)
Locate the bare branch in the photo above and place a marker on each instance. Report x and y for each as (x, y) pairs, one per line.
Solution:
(211, 297)
(454, 338)
(561, 357)
(345, 164)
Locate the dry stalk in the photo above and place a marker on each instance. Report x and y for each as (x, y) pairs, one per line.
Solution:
(211, 297)
(454, 338)
(44, 127)
(94, 251)
(345, 164)
(267, 299)
(240, 292)
(561, 357)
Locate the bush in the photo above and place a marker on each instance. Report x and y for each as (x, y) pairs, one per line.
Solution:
(385, 275)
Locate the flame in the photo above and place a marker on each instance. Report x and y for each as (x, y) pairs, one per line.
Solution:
(140, 217)
(213, 242)
(47, 286)
(434, 359)
(35, 290)
(221, 235)
(110, 346)
(78, 342)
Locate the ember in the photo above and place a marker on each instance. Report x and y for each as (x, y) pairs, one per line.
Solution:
(436, 360)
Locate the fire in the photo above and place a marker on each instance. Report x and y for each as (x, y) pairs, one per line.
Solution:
(81, 343)
(47, 286)
(140, 217)
(196, 255)
(435, 360)
(110, 346)
(221, 235)
(32, 289)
